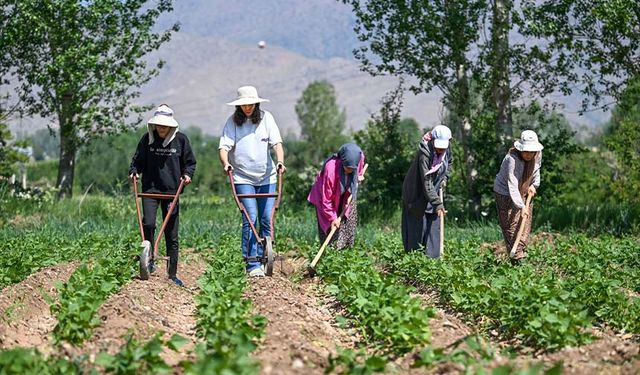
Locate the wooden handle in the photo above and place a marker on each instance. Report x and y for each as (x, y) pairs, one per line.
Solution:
(333, 229)
(512, 253)
(442, 225)
(324, 245)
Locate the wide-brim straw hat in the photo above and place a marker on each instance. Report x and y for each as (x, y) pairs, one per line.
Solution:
(247, 95)
(528, 142)
(163, 116)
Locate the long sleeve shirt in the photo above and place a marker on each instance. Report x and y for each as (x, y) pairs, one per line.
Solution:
(419, 190)
(161, 167)
(326, 193)
(508, 179)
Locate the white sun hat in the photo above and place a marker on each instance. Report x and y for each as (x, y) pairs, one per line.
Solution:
(441, 136)
(247, 95)
(163, 116)
(528, 142)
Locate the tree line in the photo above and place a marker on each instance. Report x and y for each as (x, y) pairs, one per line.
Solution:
(496, 64)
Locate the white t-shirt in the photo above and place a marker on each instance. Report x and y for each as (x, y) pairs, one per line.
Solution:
(249, 148)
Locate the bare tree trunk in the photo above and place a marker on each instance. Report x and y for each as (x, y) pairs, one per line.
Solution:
(463, 109)
(500, 82)
(68, 146)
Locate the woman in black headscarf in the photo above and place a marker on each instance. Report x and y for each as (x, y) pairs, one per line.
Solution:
(336, 182)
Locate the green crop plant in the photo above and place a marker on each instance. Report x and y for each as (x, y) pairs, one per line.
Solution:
(383, 310)
(225, 322)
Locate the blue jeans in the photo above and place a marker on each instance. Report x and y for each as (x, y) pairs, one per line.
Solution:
(256, 208)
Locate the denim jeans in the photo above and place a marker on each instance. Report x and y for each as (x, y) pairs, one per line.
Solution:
(257, 208)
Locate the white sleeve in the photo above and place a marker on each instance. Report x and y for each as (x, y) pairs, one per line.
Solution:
(228, 139)
(536, 171)
(272, 128)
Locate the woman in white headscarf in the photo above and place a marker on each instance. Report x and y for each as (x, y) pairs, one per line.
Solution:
(422, 208)
(163, 157)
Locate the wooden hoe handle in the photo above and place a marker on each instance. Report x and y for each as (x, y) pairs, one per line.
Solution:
(512, 253)
(333, 229)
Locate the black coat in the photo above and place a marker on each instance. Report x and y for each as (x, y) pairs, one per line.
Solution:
(418, 188)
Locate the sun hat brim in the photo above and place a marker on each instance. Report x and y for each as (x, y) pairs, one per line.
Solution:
(247, 101)
(164, 121)
(440, 143)
(530, 147)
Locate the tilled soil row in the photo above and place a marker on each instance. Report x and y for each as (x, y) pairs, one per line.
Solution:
(25, 319)
(301, 329)
(144, 307)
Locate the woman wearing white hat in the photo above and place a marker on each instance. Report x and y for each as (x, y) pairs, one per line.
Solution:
(422, 208)
(245, 147)
(164, 157)
(519, 177)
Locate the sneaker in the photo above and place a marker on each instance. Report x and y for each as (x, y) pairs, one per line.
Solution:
(256, 272)
(152, 266)
(177, 281)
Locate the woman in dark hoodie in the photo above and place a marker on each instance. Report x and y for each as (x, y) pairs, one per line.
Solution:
(163, 157)
(422, 208)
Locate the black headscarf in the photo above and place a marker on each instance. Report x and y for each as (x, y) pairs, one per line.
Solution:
(349, 155)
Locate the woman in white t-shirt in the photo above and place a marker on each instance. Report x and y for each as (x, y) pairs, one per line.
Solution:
(245, 147)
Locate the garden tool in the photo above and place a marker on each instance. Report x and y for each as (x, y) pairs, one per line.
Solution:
(441, 213)
(311, 268)
(512, 253)
(146, 254)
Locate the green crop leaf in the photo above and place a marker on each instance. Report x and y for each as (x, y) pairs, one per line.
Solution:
(176, 342)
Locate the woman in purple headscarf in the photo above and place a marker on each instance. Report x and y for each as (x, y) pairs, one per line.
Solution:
(336, 182)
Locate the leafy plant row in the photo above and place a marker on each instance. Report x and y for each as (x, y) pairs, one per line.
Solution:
(604, 273)
(25, 254)
(21, 361)
(225, 321)
(535, 306)
(380, 306)
(90, 285)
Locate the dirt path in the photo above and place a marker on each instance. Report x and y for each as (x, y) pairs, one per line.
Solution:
(610, 354)
(25, 319)
(146, 307)
(301, 329)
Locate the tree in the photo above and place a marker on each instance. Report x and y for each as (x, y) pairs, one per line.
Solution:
(559, 143)
(389, 146)
(598, 41)
(82, 62)
(622, 138)
(321, 120)
(444, 45)
(8, 155)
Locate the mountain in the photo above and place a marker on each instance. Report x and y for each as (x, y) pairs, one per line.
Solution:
(202, 74)
(216, 51)
(319, 29)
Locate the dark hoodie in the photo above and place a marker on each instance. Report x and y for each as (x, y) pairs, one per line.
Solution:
(418, 188)
(162, 166)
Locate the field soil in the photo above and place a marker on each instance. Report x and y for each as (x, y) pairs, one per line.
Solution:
(301, 331)
(25, 319)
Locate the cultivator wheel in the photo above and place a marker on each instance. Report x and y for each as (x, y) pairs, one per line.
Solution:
(144, 260)
(268, 256)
